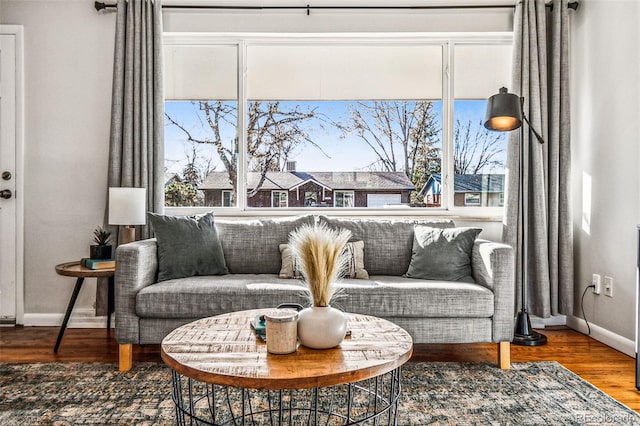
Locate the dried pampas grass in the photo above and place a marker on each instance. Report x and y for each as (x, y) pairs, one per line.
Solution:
(320, 254)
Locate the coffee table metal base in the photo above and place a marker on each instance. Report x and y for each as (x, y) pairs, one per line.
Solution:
(370, 402)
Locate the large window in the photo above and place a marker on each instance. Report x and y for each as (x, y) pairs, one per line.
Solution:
(348, 118)
(354, 123)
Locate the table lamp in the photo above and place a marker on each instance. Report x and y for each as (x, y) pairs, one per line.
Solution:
(127, 207)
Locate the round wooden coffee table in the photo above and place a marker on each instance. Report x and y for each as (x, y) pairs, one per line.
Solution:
(222, 374)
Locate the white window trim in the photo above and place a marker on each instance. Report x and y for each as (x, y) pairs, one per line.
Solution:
(447, 40)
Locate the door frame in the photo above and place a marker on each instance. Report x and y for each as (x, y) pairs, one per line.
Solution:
(18, 32)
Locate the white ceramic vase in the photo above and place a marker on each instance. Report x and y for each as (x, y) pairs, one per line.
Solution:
(321, 327)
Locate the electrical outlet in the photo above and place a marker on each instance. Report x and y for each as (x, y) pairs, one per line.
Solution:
(596, 282)
(608, 286)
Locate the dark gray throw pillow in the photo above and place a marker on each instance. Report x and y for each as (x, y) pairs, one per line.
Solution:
(187, 246)
(442, 254)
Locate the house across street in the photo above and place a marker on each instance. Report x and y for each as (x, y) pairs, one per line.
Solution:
(313, 189)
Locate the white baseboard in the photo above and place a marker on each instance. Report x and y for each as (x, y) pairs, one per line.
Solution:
(620, 343)
(537, 322)
(80, 318)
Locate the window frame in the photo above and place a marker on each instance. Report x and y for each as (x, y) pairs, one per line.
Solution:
(335, 198)
(447, 41)
(286, 198)
(222, 194)
(477, 195)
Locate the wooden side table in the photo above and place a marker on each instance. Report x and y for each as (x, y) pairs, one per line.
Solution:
(74, 269)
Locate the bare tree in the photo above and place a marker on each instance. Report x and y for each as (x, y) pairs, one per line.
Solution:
(403, 135)
(197, 167)
(273, 133)
(476, 149)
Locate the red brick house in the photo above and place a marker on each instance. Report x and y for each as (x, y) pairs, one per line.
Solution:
(314, 189)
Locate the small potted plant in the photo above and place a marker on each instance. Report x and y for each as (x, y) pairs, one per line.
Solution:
(101, 249)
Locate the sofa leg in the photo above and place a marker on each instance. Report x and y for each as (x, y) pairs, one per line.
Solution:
(504, 355)
(125, 357)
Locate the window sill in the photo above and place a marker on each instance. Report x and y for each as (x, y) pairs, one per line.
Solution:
(466, 214)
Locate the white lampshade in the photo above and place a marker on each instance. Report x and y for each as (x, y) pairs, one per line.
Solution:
(127, 206)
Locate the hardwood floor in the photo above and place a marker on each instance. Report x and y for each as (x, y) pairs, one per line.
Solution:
(605, 368)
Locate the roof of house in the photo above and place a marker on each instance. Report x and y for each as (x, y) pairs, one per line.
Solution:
(483, 182)
(331, 180)
(170, 178)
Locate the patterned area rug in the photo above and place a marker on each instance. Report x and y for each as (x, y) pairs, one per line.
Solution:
(543, 393)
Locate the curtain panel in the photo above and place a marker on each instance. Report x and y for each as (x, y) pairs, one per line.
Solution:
(136, 147)
(541, 76)
(136, 153)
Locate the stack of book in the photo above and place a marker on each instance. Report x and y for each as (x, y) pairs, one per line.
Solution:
(98, 263)
(259, 327)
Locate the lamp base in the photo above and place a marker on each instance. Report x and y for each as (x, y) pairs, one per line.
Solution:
(127, 235)
(524, 334)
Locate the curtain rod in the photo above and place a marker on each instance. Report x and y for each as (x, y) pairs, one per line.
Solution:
(102, 5)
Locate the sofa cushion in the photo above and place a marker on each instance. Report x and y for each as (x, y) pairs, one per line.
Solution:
(393, 296)
(442, 254)
(354, 268)
(383, 296)
(199, 297)
(187, 246)
(387, 243)
(253, 246)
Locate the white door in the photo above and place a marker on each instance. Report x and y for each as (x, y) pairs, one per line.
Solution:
(8, 173)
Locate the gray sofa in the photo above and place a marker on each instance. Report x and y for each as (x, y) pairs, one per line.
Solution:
(481, 310)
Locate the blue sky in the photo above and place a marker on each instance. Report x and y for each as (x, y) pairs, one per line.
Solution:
(342, 154)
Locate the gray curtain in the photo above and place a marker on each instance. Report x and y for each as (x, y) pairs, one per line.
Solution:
(541, 76)
(136, 150)
(136, 153)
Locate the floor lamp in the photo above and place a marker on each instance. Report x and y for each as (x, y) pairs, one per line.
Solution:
(505, 112)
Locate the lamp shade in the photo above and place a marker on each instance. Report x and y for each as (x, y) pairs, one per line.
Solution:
(127, 206)
(504, 112)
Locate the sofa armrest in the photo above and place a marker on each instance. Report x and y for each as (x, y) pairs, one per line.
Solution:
(493, 266)
(137, 267)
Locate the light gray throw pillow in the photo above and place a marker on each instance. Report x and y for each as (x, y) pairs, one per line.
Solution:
(354, 268)
(442, 254)
(187, 246)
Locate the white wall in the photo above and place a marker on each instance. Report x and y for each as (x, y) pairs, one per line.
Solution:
(68, 68)
(606, 157)
(68, 72)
